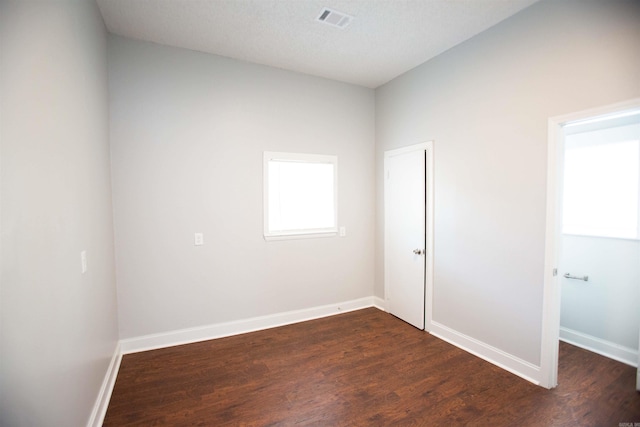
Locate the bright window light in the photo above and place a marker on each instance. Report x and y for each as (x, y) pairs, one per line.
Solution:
(300, 195)
(601, 189)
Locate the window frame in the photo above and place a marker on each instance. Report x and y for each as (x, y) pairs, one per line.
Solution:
(307, 232)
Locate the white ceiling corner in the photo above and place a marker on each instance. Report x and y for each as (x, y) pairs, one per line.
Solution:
(385, 39)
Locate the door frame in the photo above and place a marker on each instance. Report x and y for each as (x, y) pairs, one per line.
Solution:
(553, 241)
(427, 147)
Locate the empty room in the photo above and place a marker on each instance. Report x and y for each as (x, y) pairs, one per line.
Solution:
(320, 213)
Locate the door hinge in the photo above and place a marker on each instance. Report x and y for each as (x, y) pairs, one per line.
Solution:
(555, 272)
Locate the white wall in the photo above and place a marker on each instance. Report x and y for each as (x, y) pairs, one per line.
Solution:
(58, 327)
(188, 132)
(485, 103)
(605, 307)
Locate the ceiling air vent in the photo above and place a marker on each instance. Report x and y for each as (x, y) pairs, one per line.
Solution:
(333, 18)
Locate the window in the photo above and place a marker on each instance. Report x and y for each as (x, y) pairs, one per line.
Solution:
(601, 180)
(300, 195)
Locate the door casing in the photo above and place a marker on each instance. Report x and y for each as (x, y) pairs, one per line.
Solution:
(553, 241)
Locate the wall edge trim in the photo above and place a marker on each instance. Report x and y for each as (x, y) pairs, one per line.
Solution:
(493, 355)
(605, 348)
(106, 389)
(379, 303)
(236, 327)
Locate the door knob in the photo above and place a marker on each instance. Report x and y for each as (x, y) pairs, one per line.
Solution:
(418, 251)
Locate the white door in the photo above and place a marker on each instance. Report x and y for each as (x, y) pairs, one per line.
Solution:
(405, 202)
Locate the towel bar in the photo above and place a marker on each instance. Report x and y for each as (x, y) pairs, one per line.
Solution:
(569, 276)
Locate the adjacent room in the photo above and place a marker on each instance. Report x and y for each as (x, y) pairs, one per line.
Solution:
(341, 212)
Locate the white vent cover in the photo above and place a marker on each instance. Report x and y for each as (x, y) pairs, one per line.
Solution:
(334, 18)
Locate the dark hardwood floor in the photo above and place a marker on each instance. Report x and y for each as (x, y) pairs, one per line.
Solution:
(364, 368)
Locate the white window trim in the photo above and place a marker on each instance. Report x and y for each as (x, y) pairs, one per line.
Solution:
(595, 236)
(305, 158)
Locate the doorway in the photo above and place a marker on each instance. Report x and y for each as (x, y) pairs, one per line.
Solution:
(408, 246)
(584, 233)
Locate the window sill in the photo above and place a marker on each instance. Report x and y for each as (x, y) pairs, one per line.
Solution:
(589, 236)
(295, 236)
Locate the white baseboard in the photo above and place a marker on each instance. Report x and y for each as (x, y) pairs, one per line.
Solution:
(186, 336)
(491, 354)
(379, 303)
(602, 347)
(104, 395)
(220, 330)
(506, 361)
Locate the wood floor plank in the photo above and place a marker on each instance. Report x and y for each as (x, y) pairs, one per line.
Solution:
(359, 369)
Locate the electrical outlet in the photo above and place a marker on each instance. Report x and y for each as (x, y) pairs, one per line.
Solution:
(198, 239)
(343, 231)
(83, 261)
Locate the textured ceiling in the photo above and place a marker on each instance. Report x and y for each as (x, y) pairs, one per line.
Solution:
(386, 38)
